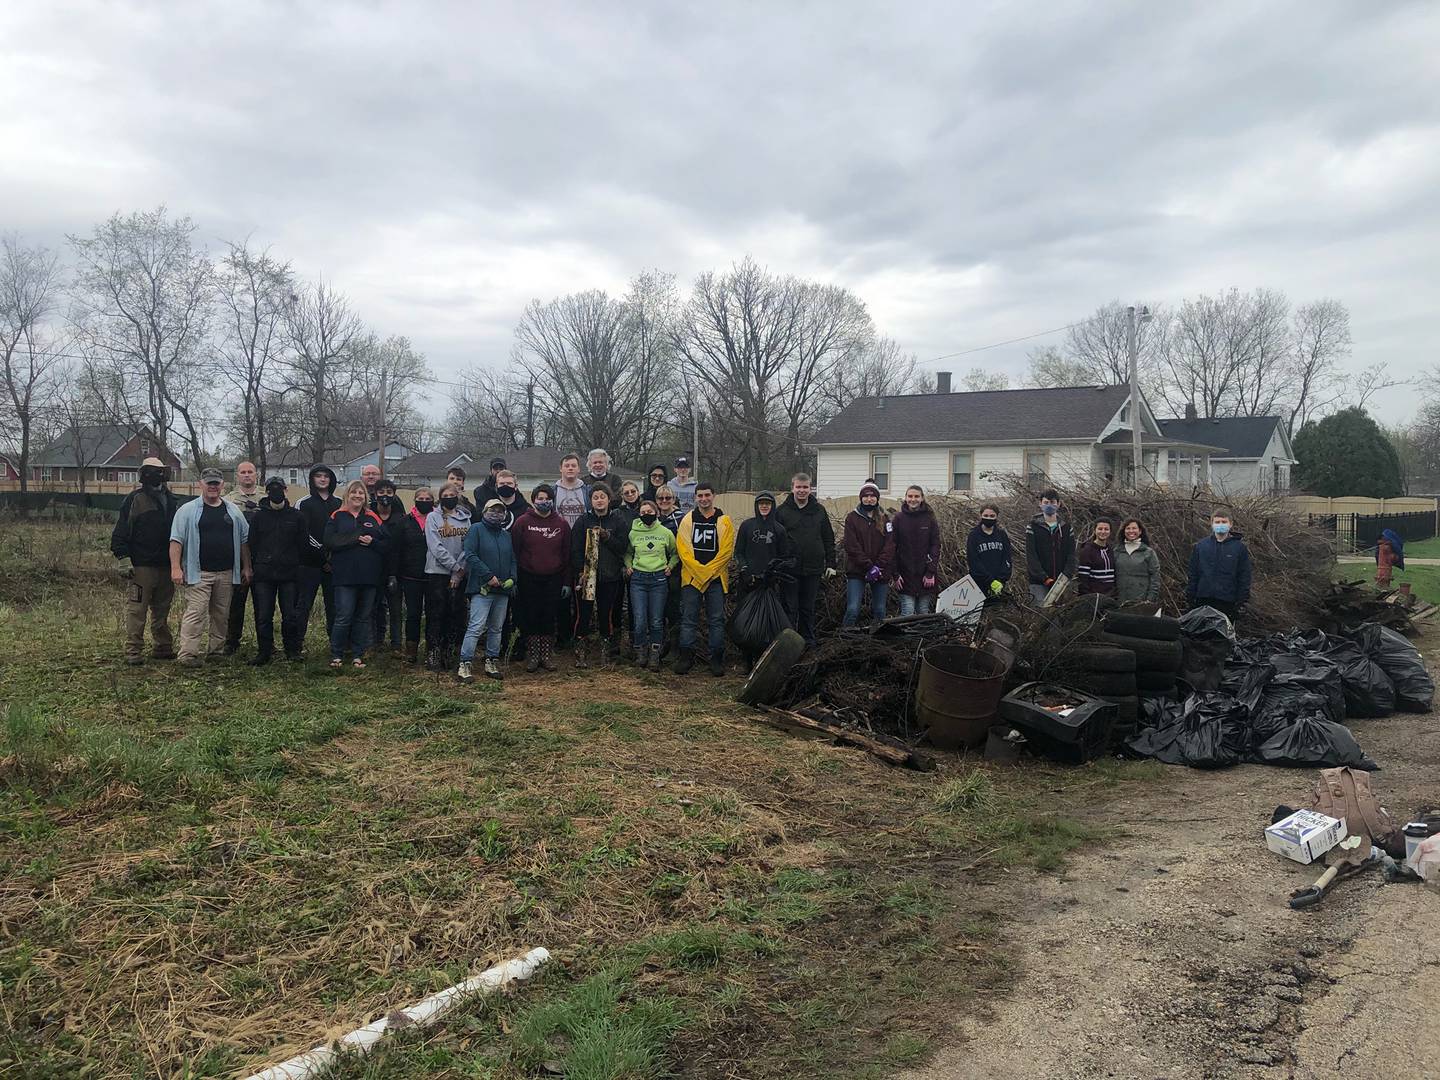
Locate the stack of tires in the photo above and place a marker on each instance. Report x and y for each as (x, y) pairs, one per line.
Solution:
(1155, 641)
(1108, 672)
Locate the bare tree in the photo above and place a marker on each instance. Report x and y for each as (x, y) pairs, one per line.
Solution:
(492, 409)
(978, 378)
(1362, 387)
(1225, 355)
(144, 292)
(1321, 341)
(253, 290)
(1096, 351)
(386, 375)
(882, 369)
(834, 330)
(29, 353)
(1051, 367)
(76, 420)
(322, 333)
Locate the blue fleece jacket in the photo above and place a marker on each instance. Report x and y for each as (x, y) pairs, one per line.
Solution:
(1220, 571)
(488, 553)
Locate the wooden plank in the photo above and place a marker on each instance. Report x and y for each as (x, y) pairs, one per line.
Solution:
(891, 754)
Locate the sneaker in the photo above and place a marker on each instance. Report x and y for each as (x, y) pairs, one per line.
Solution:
(336, 662)
(654, 664)
(261, 660)
(492, 668)
(294, 657)
(191, 661)
(134, 661)
(463, 672)
(532, 656)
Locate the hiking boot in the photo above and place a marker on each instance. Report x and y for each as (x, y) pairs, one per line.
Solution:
(432, 660)
(686, 662)
(532, 656)
(654, 664)
(261, 659)
(134, 661)
(717, 664)
(162, 656)
(640, 654)
(295, 657)
(231, 648)
(492, 668)
(412, 651)
(605, 653)
(191, 661)
(463, 672)
(582, 661)
(547, 654)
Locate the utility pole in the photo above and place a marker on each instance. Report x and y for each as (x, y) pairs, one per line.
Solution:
(1132, 344)
(384, 410)
(695, 461)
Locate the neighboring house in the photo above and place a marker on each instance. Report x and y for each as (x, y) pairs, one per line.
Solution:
(967, 442)
(429, 469)
(9, 467)
(1257, 457)
(103, 453)
(349, 460)
(290, 463)
(532, 465)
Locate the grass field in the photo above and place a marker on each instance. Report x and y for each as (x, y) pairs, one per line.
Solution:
(204, 872)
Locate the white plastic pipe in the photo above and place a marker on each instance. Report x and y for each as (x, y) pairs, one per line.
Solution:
(421, 1014)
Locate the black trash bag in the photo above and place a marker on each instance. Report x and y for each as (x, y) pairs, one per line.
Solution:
(1159, 711)
(1280, 707)
(1414, 689)
(1368, 690)
(1207, 624)
(758, 620)
(1210, 732)
(1202, 662)
(1312, 742)
(1246, 682)
(1312, 672)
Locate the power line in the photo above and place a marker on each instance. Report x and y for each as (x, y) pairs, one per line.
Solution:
(1011, 341)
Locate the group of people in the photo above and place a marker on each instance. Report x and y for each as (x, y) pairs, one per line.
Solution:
(570, 561)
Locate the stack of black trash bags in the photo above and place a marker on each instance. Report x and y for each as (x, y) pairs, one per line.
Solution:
(1277, 700)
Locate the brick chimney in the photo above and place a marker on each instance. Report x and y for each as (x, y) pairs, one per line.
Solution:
(942, 382)
(1190, 413)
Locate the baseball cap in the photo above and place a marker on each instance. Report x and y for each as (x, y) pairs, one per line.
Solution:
(497, 463)
(493, 504)
(212, 476)
(682, 463)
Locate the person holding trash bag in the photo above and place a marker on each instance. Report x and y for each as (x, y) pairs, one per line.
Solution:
(917, 553)
(489, 583)
(1137, 567)
(1049, 547)
(765, 562)
(812, 537)
(1389, 555)
(1220, 569)
(1095, 562)
(650, 561)
(988, 552)
(869, 552)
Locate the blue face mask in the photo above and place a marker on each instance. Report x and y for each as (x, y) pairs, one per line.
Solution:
(1220, 528)
(1049, 509)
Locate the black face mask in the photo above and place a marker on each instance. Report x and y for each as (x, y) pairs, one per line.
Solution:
(275, 494)
(648, 519)
(986, 523)
(384, 500)
(152, 477)
(505, 490)
(543, 506)
(424, 505)
(449, 502)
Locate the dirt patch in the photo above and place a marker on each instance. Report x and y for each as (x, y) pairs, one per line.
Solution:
(1173, 953)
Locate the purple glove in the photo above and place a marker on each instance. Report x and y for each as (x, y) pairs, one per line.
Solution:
(874, 574)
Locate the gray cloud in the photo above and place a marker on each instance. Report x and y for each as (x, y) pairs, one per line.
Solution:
(974, 175)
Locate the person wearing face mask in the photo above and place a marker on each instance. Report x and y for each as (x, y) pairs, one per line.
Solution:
(489, 584)
(597, 555)
(410, 553)
(671, 515)
(510, 497)
(764, 557)
(486, 489)
(917, 553)
(141, 541)
(1095, 563)
(277, 542)
(1137, 567)
(655, 479)
(1049, 547)
(988, 554)
(650, 561)
(541, 539)
(315, 576)
(869, 543)
(1220, 569)
(445, 620)
(389, 596)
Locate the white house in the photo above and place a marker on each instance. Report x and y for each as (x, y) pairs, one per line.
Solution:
(1257, 456)
(966, 442)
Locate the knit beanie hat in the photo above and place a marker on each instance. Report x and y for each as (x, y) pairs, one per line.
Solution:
(868, 488)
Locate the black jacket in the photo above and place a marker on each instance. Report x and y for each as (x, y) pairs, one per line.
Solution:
(990, 558)
(408, 547)
(612, 550)
(316, 510)
(811, 535)
(142, 532)
(761, 542)
(1048, 553)
(355, 563)
(278, 541)
(390, 548)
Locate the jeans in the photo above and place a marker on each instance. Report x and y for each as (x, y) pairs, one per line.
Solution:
(487, 613)
(311, 580)
(265, 594)
(917, 605)
(235, 627)
(855, 589)
(389, 611)
(353, 606)
(150, 593)
(714, 598)
(207, 602)
(800, 596)
(649, 589)
(414, 590)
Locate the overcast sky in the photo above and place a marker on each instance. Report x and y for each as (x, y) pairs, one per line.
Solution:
(973, 175)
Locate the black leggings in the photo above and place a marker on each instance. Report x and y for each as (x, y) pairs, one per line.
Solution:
(599, 614)
(414, 590)
(445, 613)
(537, 599)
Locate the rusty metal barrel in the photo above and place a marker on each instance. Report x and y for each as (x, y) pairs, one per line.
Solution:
(958, 695)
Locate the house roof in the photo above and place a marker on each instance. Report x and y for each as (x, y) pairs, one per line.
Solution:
(431, 464)
(1069, 413)
(1245, 436)
(1122, 437)
(351, 452)
(97, 444)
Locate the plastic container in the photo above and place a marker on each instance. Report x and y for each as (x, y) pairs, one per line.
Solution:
(958, 694)
(1082, 734)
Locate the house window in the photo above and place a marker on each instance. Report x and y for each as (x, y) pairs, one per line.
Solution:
(1277, 478)
(1037, 467)
(962, 470)
(880, 470)
(45, 475)
(127, 477)
(144, 447)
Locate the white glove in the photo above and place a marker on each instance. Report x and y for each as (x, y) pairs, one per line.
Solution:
(829, 572)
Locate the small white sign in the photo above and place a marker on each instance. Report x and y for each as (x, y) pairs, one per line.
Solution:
(962, 601)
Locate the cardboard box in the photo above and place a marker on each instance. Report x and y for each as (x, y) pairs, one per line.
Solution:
(1305, 835)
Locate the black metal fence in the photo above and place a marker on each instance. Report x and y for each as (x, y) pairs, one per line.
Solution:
(1360, 532)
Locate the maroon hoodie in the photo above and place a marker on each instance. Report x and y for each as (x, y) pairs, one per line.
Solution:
(542, 544)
